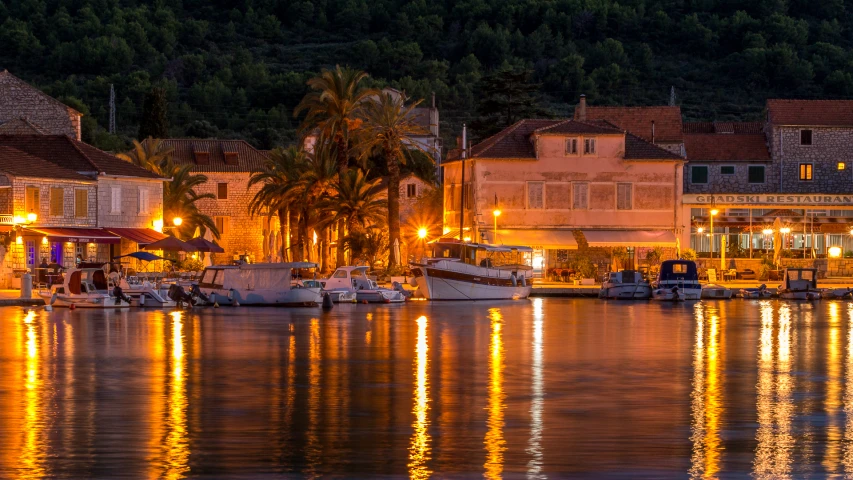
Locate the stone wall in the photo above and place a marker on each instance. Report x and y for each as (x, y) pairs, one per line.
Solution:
(244, 233)
(68, 218)
(129, 216)
(21, 100)
(737, 183)
(829, 147)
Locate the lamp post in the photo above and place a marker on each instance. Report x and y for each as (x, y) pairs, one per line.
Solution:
(713, 213)
(422, 234)
(496, 213)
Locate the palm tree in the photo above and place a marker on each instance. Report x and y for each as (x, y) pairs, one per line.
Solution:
(390, 130)
(180, 197)
(278, 176)
(357, 201)
(313, 187)
(150, 155)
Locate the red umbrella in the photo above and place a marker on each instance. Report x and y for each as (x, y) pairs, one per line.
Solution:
(171, 244)
(204, 245)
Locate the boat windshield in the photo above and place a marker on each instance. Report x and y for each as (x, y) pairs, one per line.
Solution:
(493, 257)
(447, 250)
(801, 275)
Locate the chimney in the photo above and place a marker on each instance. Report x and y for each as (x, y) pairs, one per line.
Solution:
(581, 112)
(433, 99)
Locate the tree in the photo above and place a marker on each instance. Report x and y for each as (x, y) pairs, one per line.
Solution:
(390, 130)
(154, 122)
(180, 197)
(150, 155)
(355, 200)
(277, 177)
(506, 97)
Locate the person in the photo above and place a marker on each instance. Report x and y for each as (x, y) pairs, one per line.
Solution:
(53, 266)
(43, 263)
(78, 260)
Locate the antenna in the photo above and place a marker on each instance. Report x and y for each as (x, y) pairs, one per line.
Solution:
(672, 96)
(112, 109)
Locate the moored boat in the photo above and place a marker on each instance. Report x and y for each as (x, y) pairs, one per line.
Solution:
(351, 282)
(678, 280)
(626, 285)
(800, 284)
(836, 293)
(82, 288)
(760, 292)
(256, 284)
(471, 271)
(716, 292)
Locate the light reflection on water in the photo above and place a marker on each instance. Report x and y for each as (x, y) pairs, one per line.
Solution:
(546, 388)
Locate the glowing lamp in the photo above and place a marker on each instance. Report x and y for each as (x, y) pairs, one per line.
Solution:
(700, 229)
(19, 240)
(17, 219)
(32, 217)
(44, 240)
(714, 212)
(422, 233)
(496, 213)
(834, 252)
(158, 225)
(785, 230)
(767, 231)
(466, 239)
(177, 221)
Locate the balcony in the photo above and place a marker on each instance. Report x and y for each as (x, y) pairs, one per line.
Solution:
(7, 219)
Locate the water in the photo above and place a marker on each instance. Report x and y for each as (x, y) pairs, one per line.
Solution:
(545, 388)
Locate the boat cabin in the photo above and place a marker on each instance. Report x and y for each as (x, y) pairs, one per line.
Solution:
(251, 276)
(350, 278)
(483, 255)
(680, 271)
(624, 276)
(86, 280)
(801, 279)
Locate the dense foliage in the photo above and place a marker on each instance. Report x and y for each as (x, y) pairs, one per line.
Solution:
(238, 69)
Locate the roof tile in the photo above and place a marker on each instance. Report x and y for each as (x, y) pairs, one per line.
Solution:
(248, 157)
(710, 147)
(638, 120)
(833, 113)
(21, 164)
(723, 127)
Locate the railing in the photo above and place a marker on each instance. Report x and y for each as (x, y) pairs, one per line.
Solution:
(6, 219)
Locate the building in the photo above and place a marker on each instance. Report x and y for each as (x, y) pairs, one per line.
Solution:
(660, 125)
(784, 182)
(228, 165)
(563, 183)
(25, 109)
(61, 198)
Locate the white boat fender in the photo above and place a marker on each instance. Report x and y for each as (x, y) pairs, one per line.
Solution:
(142, 300)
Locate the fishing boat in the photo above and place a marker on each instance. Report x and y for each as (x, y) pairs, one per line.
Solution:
(471, 271)
(82, 288)
(351, 282)
(760, 292)
(716, 292)
(255, 284)
(677, 280)
(800, 284)
(836, 293)
(625, 284)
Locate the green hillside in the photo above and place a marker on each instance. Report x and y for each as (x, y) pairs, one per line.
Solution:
(237, 69)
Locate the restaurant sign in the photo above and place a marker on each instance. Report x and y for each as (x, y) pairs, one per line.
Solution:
(771, 199)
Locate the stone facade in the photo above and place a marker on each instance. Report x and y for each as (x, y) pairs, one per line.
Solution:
(738, 182)
(244, 234)
(830, 146)
(129, 214)
(45, 219)
(20, 100)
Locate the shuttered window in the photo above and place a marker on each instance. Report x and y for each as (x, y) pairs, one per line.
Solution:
(143, 200)
(624, 196)
(81, 203)
(57, 201)
(580, 195)
(535, 195)
(222, 191)
(571, 146)
(589, 146)
(115, 199)
(31, 203)
(222, 224)
(411, 190)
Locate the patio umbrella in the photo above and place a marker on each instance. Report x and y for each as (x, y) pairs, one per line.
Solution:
(146, 256)
(395, 252)
(171, 244)
(203, 245)
(777, 241)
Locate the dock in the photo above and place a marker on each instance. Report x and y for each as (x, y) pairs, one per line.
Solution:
(12, 298)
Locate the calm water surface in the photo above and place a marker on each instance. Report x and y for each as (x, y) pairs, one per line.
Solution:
(546, 388)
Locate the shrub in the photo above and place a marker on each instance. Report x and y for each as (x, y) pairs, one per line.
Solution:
(764, 272)
(688, 254)
(654, 256)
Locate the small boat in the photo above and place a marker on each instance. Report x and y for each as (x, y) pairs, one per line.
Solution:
(625, 284)
(347, 282)
(760, 292)
(471, 271)
(255, 284)
(716, 292)
(836, 293)
(678, 280)
(147, 294)
(800, 284)
(82, 288)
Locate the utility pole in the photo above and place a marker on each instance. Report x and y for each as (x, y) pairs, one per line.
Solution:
(672, 96)
(112, 109)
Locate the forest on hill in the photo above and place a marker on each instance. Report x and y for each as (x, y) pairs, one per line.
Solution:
(236, 69)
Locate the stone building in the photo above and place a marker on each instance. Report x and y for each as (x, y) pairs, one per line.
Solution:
(228, 165)
(559, 183)
(26, 109)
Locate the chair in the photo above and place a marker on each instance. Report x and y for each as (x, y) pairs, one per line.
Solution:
(564, 275)
(730, 274)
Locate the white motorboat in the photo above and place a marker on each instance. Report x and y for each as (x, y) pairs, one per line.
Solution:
(800, 284)
(716, 292)
(836, 293)
(82, 288)
(760, 292)
(471, 271)
(625, 284)
(255, 284)
(678, 280)
(347, 282)
(147, 294)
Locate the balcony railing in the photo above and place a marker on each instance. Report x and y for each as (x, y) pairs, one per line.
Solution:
(6, 219)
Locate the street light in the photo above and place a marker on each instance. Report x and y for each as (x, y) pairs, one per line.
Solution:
(422, 233)
(177, 221)
(32, 217)
(713, 213)
(496, 213)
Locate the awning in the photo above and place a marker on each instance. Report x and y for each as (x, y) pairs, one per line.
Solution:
(142, 236)
(74, 235)
(452, 234)
(629, 238)
(553, 239)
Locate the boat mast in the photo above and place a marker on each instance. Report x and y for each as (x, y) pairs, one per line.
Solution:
(462, 199)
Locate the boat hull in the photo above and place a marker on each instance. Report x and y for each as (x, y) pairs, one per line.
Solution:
(295, 297)
(626, 291)
(342, 296)
(800, 295)
(679, 295)
(436, 288)
(81, 301)
(716, 293)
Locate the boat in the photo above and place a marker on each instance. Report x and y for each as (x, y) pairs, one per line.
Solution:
(472, 271)
(677, 280)
(625, 284)
(760, 292)
(716, 292)
(836, 293)
(800, 284)
(82, 288)
(348, 284)
(147, 294)
(255, 284)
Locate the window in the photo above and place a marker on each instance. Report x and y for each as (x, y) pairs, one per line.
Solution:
(805, 137)
(624, 196)
(468, 195)
(589, 146)
(571, 146)
(679, 268)
(222, 191)
(699, 174)
(81, 203)
(31, 203)
(727, 170)
(411, 190)
(115, 199)
(143, 200)
(806, 172)
(222, 224)
(580, 195)
(535, 195)
(755, 174)
(842, 165)
(57, 201)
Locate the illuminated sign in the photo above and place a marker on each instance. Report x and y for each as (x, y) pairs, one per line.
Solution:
(771, 199)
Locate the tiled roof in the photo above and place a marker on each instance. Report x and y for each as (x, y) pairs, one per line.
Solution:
(22, 84)
(638, 120)
(810, 112)
(20, 126)
(579, 127)
(723, 127)
(185, 149)
(21, 164)
(638, 149)
(73, 155)
(710, 147)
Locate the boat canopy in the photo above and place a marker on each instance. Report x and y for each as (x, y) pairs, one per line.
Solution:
(678, 270)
